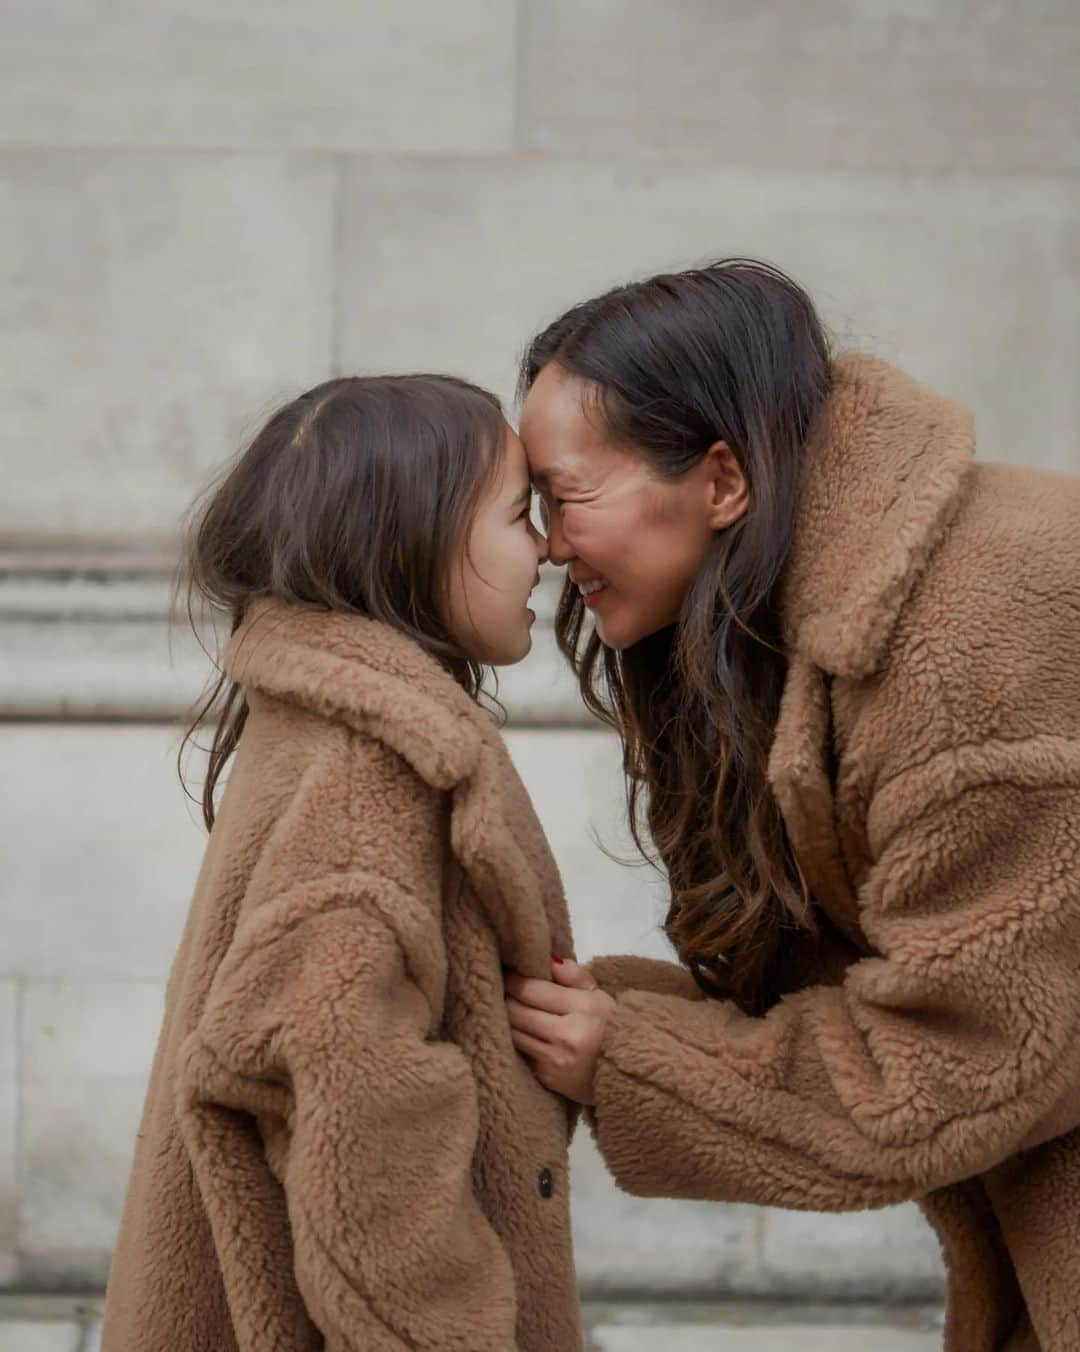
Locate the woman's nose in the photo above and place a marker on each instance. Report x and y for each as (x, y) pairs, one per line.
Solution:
(558, 551)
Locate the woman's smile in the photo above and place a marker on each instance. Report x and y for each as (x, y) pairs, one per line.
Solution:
(592, 590)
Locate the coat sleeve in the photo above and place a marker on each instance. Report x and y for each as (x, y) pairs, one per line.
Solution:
(618, 972)
(953, 1047)
(331, 1131)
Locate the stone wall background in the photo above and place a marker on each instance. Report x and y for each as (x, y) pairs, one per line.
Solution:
(207, 208)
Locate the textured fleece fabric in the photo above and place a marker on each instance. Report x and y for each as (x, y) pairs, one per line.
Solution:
(341, 1147)
(927, 764)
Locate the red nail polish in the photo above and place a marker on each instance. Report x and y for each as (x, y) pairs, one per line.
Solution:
(555, 958)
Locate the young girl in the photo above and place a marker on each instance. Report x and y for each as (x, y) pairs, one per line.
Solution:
(341, 1147)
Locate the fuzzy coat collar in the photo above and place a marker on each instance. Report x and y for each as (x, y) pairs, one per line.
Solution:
(354, 670)
(886, 468)
(365, 674)
(884, 472)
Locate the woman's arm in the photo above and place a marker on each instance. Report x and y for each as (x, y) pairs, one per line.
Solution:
(618, 972)
(956, 1047)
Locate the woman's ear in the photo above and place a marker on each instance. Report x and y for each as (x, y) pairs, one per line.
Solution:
(729, 493)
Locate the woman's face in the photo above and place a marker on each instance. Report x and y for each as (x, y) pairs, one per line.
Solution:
(487, 610)
(634, 542)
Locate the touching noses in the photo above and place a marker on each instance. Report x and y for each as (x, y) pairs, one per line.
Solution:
(541, 542)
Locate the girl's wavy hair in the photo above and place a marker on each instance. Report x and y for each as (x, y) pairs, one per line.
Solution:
(731, 352)
(353, 497)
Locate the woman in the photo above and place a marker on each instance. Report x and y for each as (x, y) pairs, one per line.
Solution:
(844, 661)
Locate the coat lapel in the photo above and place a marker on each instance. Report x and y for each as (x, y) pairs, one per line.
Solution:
(799, 776)
(380, 682)
(501, 845)
(884, 472)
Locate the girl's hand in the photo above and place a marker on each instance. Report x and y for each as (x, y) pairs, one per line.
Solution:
(560, 1025)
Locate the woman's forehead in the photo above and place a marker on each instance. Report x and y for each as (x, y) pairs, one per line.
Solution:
(573, 461)
(562, 458)
(513, 469)
(546, 468)
(555, 407)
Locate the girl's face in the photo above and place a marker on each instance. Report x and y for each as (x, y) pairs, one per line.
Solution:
(498, 566)
(634, 541)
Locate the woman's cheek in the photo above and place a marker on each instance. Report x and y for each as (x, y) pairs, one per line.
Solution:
(596, 540)
(579, 527)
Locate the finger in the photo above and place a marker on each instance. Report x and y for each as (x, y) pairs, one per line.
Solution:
(540, 994)
(531, 1046)
(534, 1021)
(567, 972)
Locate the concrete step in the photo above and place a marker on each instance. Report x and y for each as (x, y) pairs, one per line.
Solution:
(34, 1323)
(760, 1326)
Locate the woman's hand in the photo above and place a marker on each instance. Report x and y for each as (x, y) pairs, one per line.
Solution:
(559, 1025)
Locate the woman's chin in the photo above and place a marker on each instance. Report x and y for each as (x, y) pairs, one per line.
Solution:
(620, 632)
(611, 622)
(614, 636)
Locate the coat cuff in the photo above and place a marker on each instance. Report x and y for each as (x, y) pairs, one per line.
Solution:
(622, 1118)
(651, 1140)
(674, 1118)
(618, 972)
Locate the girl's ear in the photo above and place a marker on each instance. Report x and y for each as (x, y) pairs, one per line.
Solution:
(729, 493)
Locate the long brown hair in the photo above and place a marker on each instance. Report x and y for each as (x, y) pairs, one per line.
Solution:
(732, 352)
(352, 497)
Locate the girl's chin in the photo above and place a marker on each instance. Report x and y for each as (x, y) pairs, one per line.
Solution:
(511, 654)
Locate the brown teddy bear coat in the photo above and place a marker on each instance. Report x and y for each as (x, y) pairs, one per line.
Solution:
(341, 1147)
(927, 764)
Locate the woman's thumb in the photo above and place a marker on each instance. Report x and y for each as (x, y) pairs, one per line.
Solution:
(567, 972)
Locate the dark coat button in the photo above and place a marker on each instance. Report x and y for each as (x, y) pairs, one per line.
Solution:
(546, 1183)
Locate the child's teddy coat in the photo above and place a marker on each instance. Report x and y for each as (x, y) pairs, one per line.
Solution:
(927, 764)
(341, 1147)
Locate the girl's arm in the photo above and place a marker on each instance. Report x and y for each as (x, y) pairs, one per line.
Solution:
(331, 1132)
(955, 1048)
